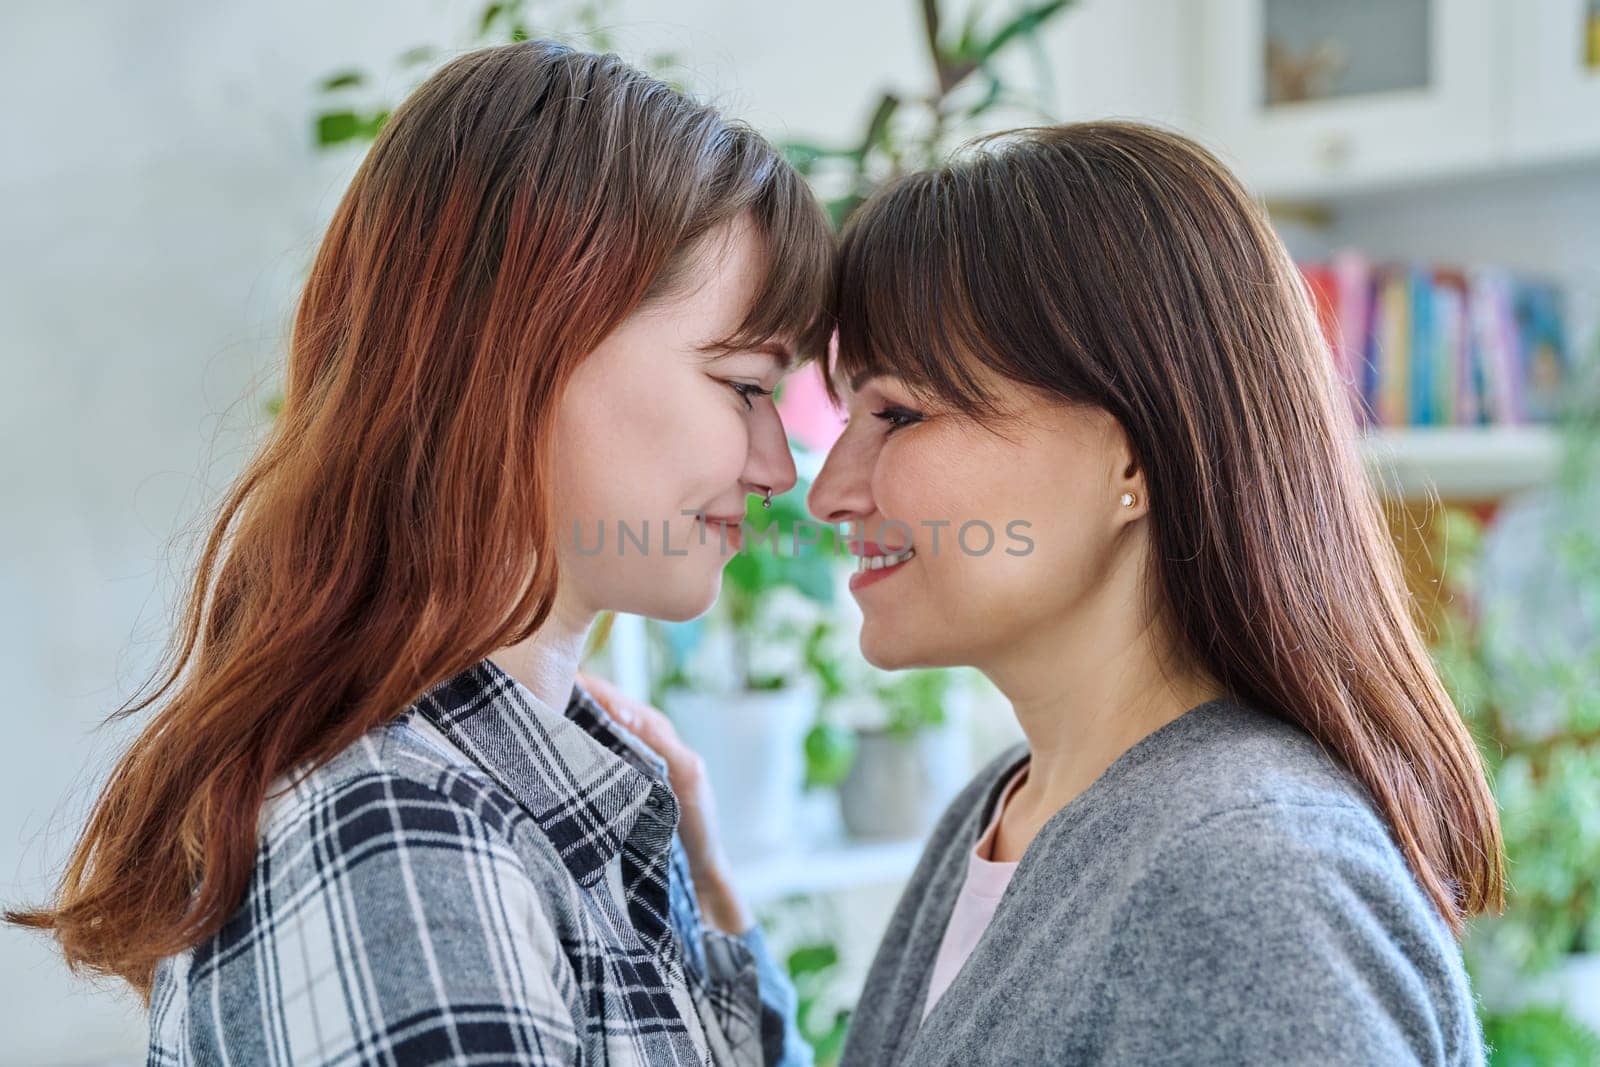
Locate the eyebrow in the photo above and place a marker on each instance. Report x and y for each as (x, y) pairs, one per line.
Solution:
(779, 351)
(858, 380)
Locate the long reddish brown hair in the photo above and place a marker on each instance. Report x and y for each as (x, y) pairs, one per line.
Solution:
(392, 530)
(1121, 266)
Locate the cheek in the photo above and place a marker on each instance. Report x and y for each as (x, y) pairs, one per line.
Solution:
(648, 447)
(1068, 554)
(598, 444)
(1033, 532)
(919, 479)
(971, 485)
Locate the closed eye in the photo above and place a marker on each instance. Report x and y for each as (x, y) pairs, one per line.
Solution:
(746, 391)
(897, 417)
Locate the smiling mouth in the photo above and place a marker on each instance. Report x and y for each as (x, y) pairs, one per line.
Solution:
(729, 531)
(878, 563)
(875, 567)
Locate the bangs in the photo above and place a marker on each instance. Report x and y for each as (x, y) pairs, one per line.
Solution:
(794, 302)
(903, 296)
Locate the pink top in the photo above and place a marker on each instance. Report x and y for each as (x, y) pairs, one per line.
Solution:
(980, 895)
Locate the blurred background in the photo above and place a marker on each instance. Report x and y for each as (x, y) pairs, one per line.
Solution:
(1433, 164)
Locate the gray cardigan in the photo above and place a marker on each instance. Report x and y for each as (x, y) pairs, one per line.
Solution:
(1223, 893)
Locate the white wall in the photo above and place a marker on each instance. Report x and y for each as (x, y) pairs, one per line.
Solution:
(160, 203)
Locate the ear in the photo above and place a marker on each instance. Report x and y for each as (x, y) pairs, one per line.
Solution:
(1127, 477)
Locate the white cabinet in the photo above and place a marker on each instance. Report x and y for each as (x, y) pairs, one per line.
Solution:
(1310, 97)
(1554, 80)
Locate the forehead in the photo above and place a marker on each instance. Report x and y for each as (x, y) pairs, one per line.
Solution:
(721, 285)
(862, 377)
(724, 267)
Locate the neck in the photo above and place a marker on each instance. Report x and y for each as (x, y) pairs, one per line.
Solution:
(547, 662)
(1085, 690)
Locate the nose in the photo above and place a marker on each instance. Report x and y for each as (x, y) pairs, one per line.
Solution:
(842, 491)
(771, 464)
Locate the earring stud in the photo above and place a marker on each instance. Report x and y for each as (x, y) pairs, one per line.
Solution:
(1128, 500)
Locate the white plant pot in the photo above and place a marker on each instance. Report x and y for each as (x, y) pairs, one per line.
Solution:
(753, 744)
(897, 784)
(1574, 983)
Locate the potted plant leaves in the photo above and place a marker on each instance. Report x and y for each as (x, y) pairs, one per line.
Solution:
(1519, 646)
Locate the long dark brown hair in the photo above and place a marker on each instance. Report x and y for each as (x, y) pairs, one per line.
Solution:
(393, 530)
(1122, 266)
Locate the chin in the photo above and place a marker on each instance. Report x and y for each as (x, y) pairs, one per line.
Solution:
(673, 604)
(891, 649)
(887, 652)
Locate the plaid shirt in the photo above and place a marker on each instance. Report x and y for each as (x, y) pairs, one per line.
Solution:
(480, 881)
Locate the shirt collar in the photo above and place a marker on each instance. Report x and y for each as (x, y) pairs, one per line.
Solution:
(591, 787)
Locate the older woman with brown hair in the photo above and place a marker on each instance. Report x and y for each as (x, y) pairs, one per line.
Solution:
(1247, 823)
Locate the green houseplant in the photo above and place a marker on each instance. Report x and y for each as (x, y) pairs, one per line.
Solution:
(353, 115)
(967, 93)
(902, 772)
(1519, 647)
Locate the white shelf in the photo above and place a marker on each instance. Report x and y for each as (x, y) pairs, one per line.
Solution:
(1303, 196)
(826, 868)
(1461, 463)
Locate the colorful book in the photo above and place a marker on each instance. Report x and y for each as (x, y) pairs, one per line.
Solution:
(1352, 294)
(1422, 345)
(1449, 306)
(1392, 362)
(1544, 367)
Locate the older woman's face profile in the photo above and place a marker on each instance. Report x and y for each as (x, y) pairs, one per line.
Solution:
(1011, 526)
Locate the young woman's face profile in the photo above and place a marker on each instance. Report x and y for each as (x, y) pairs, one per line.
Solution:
(652, 430)
(1014, 528)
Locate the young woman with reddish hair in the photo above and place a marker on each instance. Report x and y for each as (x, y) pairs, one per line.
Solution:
(373, 819)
